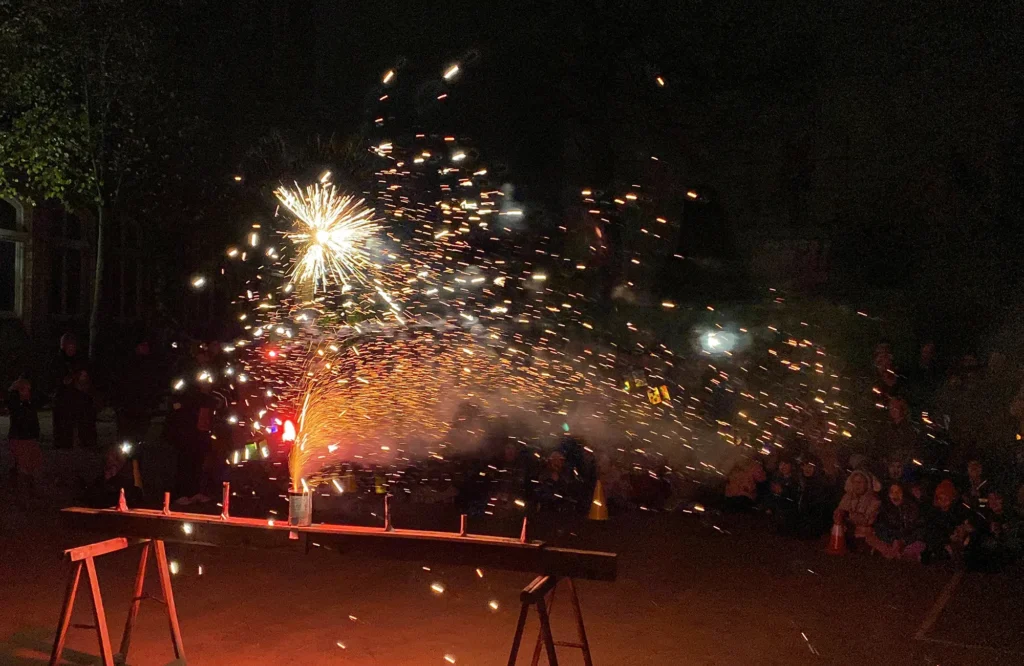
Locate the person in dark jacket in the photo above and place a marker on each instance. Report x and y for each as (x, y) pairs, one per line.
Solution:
(784, 498)
(898, 531)
(189, 428)
(996, 541)
(139, 391)
(816, 498)
(23, 437)
(73, 411)
(947, 530)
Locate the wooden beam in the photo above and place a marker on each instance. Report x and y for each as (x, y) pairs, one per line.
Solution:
(96, 549)
(417, 545)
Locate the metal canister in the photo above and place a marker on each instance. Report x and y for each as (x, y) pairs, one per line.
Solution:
(300, 509)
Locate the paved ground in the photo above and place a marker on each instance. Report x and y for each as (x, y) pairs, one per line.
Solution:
(694, 589)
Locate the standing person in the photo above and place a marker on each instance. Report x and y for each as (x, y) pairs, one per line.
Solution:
(138, 394)
(815, 499)
(897, 439)
(23, 438)
(73, 411)
(925, 378)
(975, 485)
(189, 426)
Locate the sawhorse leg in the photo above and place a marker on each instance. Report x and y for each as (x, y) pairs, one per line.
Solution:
(65, 614)
(536, 594)
(165, 587)
(85, 556)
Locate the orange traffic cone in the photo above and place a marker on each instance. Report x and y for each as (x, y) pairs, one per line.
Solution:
(598, 507)
(837, 540)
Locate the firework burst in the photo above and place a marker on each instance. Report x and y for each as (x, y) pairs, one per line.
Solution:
(331, 234)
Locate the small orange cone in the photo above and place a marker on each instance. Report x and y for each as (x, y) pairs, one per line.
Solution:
(122, 505)
(837, 540)
(598, 507)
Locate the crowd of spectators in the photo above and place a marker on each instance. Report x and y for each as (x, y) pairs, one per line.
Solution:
(925, 487)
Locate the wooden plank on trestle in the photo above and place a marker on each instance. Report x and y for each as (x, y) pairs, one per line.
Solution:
(417, 545)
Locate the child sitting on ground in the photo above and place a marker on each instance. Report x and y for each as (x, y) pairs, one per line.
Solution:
(23, 438)
(947, 530)
(898, 531)
(996, 541)
(741, 487)
(859, 507)
(785, 492)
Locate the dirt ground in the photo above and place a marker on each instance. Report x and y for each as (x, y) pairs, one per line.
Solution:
(693, 589)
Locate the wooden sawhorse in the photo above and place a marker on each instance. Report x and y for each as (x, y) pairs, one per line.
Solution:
(534, 595)
(85, 556)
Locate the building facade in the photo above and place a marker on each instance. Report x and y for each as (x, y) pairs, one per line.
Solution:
(47, 270)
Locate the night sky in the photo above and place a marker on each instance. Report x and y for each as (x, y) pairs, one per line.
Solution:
(891, 136)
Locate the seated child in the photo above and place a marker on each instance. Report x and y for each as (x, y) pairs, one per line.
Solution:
(947, 529)
(741, 488)
(859, 507)
(785, 491)
(996, 541)
(898, 530)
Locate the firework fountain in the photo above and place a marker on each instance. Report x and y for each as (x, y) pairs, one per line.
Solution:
(382, 314)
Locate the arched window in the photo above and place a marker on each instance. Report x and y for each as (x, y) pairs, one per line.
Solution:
(13, 237)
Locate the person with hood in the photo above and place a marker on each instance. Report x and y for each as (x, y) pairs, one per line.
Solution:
(859, 506)
(741, 485)
(73, 410)
(898, 531)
